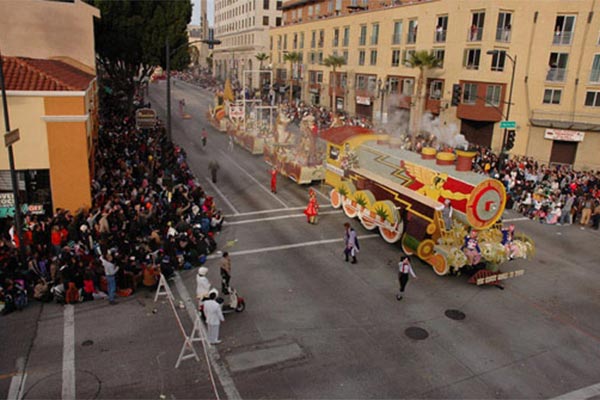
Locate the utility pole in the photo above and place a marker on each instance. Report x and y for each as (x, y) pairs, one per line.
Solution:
(11, 161)
(168, 68)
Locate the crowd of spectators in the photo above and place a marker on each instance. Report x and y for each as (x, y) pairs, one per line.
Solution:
(149, 215)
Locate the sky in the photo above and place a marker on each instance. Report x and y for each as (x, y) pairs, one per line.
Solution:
(196, 12)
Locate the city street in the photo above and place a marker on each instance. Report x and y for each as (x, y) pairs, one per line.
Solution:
(315, 326)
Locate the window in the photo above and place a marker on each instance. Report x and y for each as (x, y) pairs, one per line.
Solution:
(362, 39)
(361, 82)
(471, 58)
(374, 34)
(265, 21)
(476, 29)
(498, 60)
(295, 42)
(595, 73)
(361, 57)
(301, 40)
(552, 96)
(413, 24)
(278, 21)
(336, 37)
(313, 39)
(317, 9)
(373, 57)
(279, 3)
(395, 58)
(394, 84)
(320, 57)
(345, 55)
(310, 11)
(557, 67)
(408, 86)
(469, 93)
(504, 27)
(407, 55)
(435, 89)
(265, 4)
(592, 99)
(315, 77)
(492, 95)
(441, 28)
(330, 6)
(321, 38)
(563, 29)
(312, 57)
(397, 35)
(346, 36)
(440, 54)
(285, 42)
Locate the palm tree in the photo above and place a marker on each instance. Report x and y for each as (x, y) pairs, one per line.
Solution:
(293, 57)
(261, 57)
(334, 61)
(423, 60)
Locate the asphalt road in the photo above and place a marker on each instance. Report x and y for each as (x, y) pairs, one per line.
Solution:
(316, 326)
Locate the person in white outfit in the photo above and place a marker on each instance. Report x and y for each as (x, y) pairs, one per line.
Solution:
(214, 317)
(404, 269)
(202, 285)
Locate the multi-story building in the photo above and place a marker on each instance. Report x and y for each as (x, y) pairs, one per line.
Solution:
(552, 46)
(243, 26)
(50, 80)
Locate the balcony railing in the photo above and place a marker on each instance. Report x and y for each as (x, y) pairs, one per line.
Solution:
(562, 38)
(503, 35)
(595, 76)
(439, 36)
(396, 38)
(567, 120)
(556, 75)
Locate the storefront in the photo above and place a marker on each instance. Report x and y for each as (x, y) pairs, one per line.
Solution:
(35, 194)
(364, 107)
(315, 96)
(564, 145)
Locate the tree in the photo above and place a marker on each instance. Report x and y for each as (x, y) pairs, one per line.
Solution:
(292, 57)
(333, 61)
(131, 36)
(261, 57)
(424, 61)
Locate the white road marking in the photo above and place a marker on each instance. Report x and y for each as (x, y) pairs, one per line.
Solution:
(581, 394)
(254, 179)
(213, 354)
(68, 369)
(287, 246)
(17, 383)
(273, 210)
(515, 219)
(216, 189)
(249, 221)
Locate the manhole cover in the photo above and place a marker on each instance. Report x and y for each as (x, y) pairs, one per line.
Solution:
(87, 343)
(416, 333)
(456, 315)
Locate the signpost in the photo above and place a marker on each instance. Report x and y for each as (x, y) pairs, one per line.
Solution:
(508, 124)
(11, 137)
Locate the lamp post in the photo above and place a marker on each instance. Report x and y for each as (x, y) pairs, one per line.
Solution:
(382, 88)
(510, 93)
(168, 55)
(11, 162)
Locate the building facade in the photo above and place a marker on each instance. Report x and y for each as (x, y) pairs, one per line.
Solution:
(243, 26)
(552, 46)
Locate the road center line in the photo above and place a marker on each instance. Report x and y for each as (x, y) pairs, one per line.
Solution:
(213, 354)
(216, 189)
(288, 246)
(249, 221)
(17, 383)
(515, 219)
(68, 369)
(254, 179)
(581, 394)
(273, 210)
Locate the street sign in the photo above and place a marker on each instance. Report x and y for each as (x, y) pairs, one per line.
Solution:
(11, 137)
(508, 124)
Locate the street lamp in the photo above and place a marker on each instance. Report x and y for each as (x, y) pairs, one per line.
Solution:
(382, 88)
(510, 93)
(169, 54)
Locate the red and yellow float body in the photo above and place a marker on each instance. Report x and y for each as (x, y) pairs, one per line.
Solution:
(402, 195)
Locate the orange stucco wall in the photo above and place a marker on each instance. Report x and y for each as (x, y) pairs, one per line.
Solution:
(69, 170)
(64, 106)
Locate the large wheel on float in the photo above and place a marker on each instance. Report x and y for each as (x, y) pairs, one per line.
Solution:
(387, 211)
(405, 248)
(347, 189)
(366, 200)
(439, 264)
(335, 198)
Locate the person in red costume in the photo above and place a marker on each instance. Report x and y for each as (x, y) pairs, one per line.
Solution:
(273, 180)
(312, 209)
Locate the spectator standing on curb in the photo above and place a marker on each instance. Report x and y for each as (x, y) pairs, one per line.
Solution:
(225, 272)
(351, 243)
(213, 167)
(202, 285)
(204, 137)
(110, 270)
(214, 317)
(404, 269)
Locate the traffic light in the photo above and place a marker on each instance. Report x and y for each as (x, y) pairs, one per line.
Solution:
(510, 139)
(456, 94)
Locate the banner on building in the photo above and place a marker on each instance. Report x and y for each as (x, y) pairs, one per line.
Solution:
(364, 100)
(564, 135)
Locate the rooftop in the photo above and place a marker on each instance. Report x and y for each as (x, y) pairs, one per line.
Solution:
(30, 74)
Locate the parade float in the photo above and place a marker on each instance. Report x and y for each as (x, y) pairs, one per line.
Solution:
(403, 195)
(297, 156)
